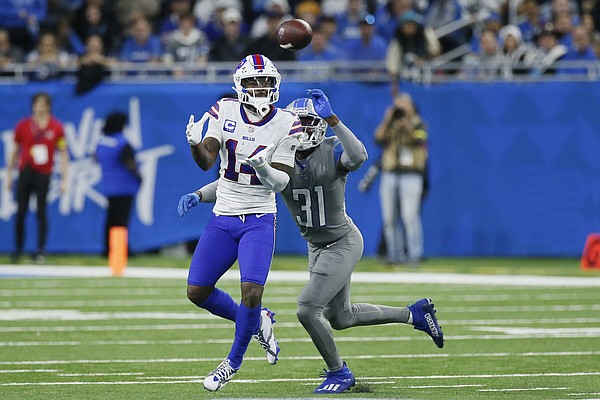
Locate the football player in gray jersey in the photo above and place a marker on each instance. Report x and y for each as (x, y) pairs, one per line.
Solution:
(315, 197)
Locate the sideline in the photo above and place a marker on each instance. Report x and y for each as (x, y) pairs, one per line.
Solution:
(55, 271)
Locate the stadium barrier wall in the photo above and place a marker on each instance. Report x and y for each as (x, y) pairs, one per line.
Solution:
(514, 167)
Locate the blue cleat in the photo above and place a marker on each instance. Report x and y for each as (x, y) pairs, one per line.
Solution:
(336, 381)
(424, 320)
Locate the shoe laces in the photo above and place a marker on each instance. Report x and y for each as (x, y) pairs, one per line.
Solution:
(261, 339)
(224, 371)
(264, 342)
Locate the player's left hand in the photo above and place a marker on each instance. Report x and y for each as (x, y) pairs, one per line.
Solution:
(321, 103)
(260, 158)
(186, 202)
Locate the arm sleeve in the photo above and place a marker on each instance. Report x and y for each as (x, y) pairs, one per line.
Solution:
(272, 178)
(214, 129)
(354, 151)
(208, 193)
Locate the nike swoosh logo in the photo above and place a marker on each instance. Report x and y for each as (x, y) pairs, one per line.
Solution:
(260, 215)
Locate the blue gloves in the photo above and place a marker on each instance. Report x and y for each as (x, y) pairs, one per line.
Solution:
(186, 202)
(321, 103)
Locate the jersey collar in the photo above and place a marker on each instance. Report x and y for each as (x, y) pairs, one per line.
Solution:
(263, 121)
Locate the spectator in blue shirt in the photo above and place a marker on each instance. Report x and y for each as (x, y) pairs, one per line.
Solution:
(533, 24)
(170, 23)
(387, 15)
(68, 40)
(233, 43)
(580, 50)
(563, 25)
(319, 49)
(329, 26)
(22, 19)
(94, 20)
(368, 46)
(142, 45)
(19, 13)
(348, 22)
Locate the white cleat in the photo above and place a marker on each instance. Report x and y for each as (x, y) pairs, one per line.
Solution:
(219, 377)
(266, 336)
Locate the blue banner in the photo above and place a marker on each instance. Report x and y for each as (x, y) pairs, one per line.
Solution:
(514, 167)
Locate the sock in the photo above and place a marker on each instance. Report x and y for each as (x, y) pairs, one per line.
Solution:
(245, 326)
(410, 318)
(220, 303)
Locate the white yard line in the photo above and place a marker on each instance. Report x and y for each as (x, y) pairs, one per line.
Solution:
(294, 325)
(537, 389)
(508, 335)
(294, 276)
(25, 314)
(304, 358)
(387, 379)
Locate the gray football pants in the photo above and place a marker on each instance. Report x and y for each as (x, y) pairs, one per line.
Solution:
(324, 303)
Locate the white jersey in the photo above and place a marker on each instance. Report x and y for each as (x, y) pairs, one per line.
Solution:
(239, 190)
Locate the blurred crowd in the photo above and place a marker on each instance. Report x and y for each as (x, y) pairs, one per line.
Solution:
(491, 38)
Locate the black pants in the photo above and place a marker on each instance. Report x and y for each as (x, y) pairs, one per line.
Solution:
(119, 208)
(31, 182)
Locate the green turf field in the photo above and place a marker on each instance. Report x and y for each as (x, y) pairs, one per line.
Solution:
(130, 338)
(533, 266)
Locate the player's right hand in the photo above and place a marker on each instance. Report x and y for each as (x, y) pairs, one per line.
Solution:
(186, 202)
(260, 158)
(193, 130)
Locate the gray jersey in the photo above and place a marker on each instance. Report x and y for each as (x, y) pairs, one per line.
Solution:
(315, 195)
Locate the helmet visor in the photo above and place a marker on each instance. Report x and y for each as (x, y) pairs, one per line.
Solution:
(309, 124)
(258, 82)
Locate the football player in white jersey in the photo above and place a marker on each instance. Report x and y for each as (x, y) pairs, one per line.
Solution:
(255, 142)
(315, 197)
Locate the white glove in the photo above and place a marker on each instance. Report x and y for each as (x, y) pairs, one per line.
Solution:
(193, 130)
(259, 159)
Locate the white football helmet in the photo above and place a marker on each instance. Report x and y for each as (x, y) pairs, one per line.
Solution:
(257, 82)
(314, 127)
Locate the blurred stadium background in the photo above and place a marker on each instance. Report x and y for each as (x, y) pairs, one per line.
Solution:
(513, 166)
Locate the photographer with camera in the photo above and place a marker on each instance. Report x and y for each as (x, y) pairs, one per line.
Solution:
(403, 138)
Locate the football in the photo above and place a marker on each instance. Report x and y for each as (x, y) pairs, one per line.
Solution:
(294, 34)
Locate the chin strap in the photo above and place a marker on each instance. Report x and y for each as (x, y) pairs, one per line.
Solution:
(260, 104)
(263, 109)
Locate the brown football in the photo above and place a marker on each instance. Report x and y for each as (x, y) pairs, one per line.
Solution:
(294, 34)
